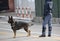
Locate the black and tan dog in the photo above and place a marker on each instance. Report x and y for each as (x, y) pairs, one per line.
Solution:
(18, 25)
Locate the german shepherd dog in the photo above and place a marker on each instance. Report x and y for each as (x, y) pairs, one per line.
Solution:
(15, 25)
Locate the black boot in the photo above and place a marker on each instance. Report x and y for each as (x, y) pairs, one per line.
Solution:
(49, 33)
(43, 32)
(42, 36)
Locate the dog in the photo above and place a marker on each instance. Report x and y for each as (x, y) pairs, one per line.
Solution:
(16, 25)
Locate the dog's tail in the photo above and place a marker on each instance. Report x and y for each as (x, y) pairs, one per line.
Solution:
(31, 24)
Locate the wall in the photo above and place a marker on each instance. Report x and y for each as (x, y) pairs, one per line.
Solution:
(39, 6)
(11, 5)
(25, 3)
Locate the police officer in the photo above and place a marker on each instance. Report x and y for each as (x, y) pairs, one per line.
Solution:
(47, 18)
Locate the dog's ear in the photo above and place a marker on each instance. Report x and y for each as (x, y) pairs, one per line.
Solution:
(11, 17)
(8, 17)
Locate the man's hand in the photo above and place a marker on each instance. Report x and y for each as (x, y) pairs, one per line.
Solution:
(43, 18)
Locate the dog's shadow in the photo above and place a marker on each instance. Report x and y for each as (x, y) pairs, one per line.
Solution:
(8, 38)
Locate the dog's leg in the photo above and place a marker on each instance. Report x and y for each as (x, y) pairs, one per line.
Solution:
(14, 33)
(28, 31)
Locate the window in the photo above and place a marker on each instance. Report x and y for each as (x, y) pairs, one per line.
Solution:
(31, 0)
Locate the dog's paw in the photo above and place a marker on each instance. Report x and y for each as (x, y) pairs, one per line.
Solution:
(28, 35)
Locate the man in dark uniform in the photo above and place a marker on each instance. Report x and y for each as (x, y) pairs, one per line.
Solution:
(47, 18)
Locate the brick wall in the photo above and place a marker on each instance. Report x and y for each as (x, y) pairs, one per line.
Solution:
(11, 5)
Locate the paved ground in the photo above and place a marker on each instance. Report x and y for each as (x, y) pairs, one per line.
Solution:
(6, 33)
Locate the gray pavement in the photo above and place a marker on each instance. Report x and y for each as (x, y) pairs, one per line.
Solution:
(7, 14)
(6, 33)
